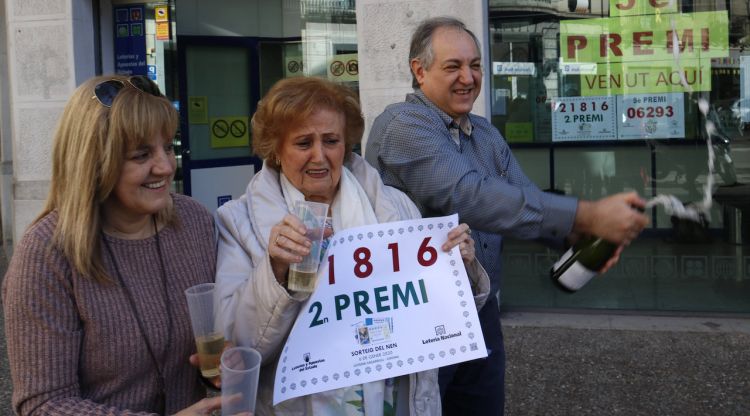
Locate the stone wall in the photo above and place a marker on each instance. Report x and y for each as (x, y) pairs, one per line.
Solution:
(384, 29)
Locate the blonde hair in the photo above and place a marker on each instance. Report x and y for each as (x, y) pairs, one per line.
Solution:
(90, 146)
(291, 101)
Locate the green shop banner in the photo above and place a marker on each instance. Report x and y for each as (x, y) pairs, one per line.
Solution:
(640, 7)
(700, 35)
(647, 78)
(636, 54)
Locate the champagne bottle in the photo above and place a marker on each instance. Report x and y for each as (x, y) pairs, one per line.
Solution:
(582, 262)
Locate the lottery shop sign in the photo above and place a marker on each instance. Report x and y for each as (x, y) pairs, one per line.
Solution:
(130, 40)
(583, 118)
(642, 116)
(646, 47)
(651, 116)
(388, 302)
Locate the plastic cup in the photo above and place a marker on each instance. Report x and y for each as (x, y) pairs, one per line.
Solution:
(240, 367)
(208, 341)
(303, 276)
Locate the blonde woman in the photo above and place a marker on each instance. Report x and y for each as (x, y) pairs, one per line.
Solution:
(95, 316)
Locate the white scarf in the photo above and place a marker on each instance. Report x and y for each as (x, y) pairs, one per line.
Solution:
(351, 208)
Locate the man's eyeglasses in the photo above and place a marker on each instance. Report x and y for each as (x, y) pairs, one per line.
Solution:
(106, 91)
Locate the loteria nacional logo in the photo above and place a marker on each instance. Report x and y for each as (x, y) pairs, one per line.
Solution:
(441, 335)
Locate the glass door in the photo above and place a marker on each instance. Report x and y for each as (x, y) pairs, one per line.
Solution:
(219, 84)
(279, 59)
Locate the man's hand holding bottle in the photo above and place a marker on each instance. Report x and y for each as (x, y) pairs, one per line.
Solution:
(602, 228)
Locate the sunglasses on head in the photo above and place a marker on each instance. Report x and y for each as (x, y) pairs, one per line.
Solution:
(106, 91)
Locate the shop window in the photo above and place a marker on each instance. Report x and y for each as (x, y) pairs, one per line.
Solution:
(632, 95)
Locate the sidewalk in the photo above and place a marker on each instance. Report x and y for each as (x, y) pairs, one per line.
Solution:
(568, 364)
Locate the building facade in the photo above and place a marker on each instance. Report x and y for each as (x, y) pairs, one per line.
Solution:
(594, 97)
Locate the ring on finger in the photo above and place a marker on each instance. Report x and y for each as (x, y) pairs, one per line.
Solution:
(468, 231)
(276, 241)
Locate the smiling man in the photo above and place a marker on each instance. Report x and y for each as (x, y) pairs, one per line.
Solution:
(448, 160)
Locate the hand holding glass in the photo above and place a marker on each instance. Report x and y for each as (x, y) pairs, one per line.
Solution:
(208, 341)
(240, 367)
(302, 276)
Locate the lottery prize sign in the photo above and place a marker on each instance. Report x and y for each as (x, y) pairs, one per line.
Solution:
(651, 116)
(583, 118)
(388, 302)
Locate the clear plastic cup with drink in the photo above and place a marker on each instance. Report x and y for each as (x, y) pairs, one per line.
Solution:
(303, 275)
(208, 340)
